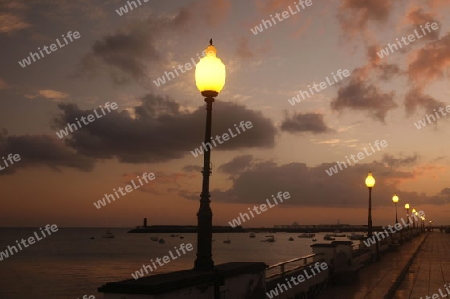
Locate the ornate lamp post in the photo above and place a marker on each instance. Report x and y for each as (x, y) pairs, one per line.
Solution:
(414, 219)
(210, 79)
(430, 224)
(395, 201)
(370, 182)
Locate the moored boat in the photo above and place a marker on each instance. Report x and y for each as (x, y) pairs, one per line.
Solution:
(108, 235)
(307, 235)
(329, 237)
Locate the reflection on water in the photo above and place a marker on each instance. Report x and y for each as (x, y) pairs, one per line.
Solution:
(68, 264)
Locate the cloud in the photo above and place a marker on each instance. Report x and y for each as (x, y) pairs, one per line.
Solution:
(355, 15)
(415, 99)
(268, 6)
(383, 71)
(53, 94)
(394, 162)
(238, 164)
(130, 54)
(124, 56)
(430, 62)
(312, 187)
(359, 95)
(10, 23)
(39, 150)
(161, 131)
(418, 17)
(305, 122)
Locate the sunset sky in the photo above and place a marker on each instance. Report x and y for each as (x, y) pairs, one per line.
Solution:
(118, 58)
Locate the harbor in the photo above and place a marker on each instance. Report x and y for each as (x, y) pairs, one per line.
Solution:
(349, 270)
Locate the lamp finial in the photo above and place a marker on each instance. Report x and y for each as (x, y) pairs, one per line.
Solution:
(210, 42)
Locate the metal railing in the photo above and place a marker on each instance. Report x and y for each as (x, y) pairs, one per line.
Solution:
(292, 265)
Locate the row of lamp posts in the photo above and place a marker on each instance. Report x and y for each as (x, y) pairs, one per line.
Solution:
(210, 77)
(370, 183)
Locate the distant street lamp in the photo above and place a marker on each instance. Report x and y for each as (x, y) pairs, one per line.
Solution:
(395, 201)
(210, 79)
(370, 182)
(413, 212)
(430, 224)
(407, 213)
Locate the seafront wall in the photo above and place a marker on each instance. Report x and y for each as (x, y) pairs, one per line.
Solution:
(334, 263)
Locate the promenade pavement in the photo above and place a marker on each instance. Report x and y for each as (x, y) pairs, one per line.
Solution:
(376, 280)
(429, 271)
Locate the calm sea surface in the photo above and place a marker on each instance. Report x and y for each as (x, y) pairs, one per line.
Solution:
(68, 264)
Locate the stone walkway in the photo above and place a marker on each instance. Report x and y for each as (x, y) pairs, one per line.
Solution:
(379, 278)
(429, 271)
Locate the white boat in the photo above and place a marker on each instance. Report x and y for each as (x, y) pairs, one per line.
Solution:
(339, 235)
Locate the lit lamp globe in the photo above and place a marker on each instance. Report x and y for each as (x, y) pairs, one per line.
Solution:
(407, 206)
(395, 198)
(210, 73)
(370, 181)
(414, 211)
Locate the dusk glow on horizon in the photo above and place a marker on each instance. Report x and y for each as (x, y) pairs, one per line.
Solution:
(100, 99)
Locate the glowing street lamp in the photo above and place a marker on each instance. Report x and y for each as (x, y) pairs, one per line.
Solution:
(210, 79)
(407, 213)
(370, 182)
(395, 201)
(414, 219)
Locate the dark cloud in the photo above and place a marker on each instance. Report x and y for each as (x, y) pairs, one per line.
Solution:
(126, 56)
(441, 198)
(131, 54)
(392, 161)
(383, 71)
(418, 17)
(415, 99)
(305, 122)
(388, 71)
(359, 95)
(41, 150)
(161, 131)
(312, 186)
(238, 164)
